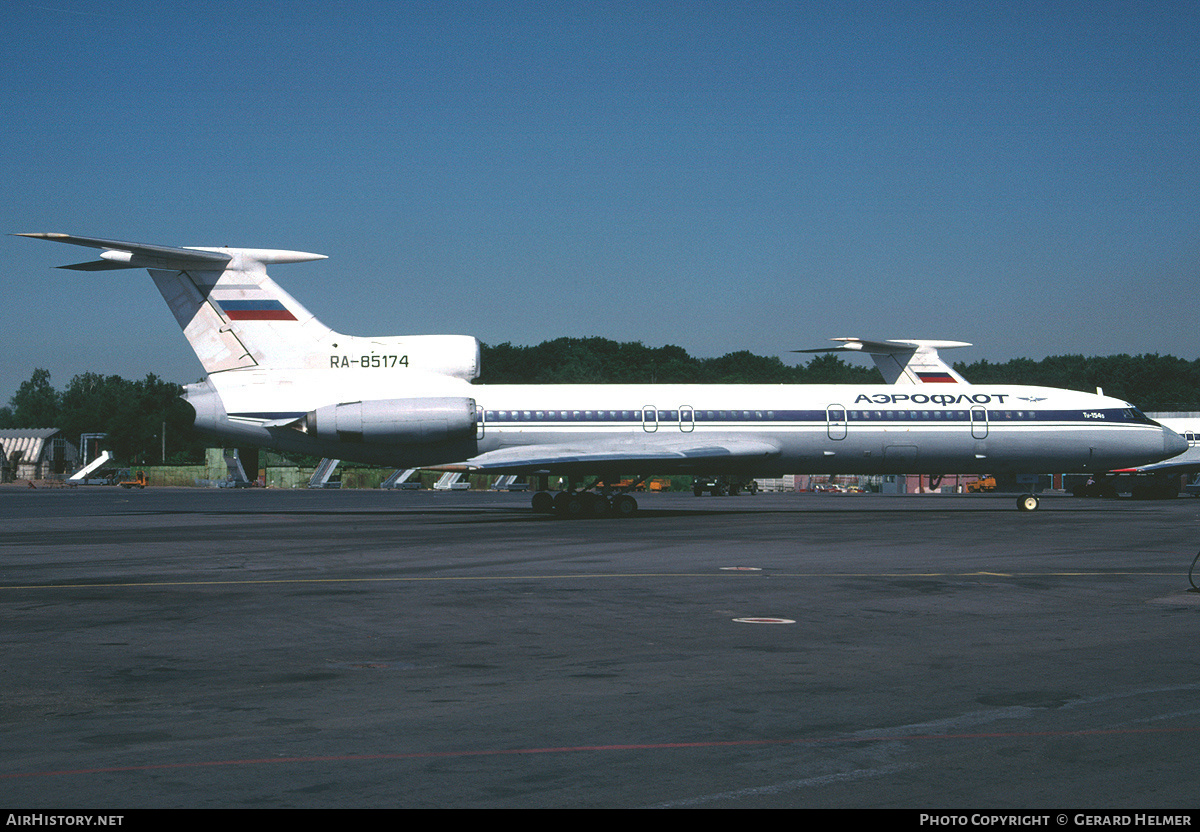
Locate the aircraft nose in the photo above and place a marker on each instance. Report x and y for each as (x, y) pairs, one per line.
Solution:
(1173, 443)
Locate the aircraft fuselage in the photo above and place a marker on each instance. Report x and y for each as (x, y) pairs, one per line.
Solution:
(866, 429)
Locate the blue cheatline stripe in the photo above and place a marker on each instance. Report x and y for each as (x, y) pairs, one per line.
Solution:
(786, 416)
(857, 415)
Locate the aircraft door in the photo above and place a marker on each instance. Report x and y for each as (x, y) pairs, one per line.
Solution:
(979, 423)
(835, 421)
(687, 418)
(649, 419)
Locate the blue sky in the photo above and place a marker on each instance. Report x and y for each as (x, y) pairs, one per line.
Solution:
(716, 175)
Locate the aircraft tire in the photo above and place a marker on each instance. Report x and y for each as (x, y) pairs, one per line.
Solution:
(560, 499)
(1027, 502)
(594, 505)
(567, 504)
(543, 502)
(624, 505)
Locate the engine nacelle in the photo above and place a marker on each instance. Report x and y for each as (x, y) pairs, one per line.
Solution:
(394, 421)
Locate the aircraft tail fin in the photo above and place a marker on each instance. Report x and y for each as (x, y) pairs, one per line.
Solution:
(904, 362)
(232, 313)
(237, 318)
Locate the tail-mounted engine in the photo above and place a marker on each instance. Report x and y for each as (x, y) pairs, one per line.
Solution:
(393, 421)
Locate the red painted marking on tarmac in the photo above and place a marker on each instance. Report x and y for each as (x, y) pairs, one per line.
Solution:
(764, 621)
(567, 749)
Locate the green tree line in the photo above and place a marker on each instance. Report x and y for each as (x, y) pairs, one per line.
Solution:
(1152, 382)
(601, 361)
(132, 413)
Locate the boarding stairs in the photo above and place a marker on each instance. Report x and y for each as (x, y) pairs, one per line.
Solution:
(320, 477)
(236, 473)
(402, 478)
(508, 482)
(82, 473)
(450, 482)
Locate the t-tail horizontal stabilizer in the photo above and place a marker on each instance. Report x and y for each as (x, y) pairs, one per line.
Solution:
(232, 313)
(904, 362)
(118, 254)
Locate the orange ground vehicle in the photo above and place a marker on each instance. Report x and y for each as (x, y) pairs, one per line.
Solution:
(655, 484)
(137, 482)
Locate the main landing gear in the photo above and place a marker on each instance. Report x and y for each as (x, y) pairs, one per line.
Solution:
(1027, 502)
(586, 503)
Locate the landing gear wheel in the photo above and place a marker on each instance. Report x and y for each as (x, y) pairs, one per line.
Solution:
(573, 506)
(568, 504)
(1027, 502)
(594, 505)
(624, 506)
(543, 503)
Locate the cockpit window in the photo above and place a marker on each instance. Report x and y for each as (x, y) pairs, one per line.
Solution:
(1135, 415)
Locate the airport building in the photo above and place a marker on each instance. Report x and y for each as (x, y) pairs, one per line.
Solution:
(35, 454)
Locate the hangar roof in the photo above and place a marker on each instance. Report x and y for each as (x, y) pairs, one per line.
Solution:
(30, 441)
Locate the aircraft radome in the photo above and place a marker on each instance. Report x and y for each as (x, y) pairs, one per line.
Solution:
(279, 378)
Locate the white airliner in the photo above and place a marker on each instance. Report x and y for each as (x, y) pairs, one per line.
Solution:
(277, 377)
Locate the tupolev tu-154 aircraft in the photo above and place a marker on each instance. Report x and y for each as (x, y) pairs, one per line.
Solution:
(279, 378)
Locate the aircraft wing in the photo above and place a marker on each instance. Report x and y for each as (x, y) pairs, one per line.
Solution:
(669, 455)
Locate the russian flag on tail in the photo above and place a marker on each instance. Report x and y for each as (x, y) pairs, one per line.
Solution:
(255, 310)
